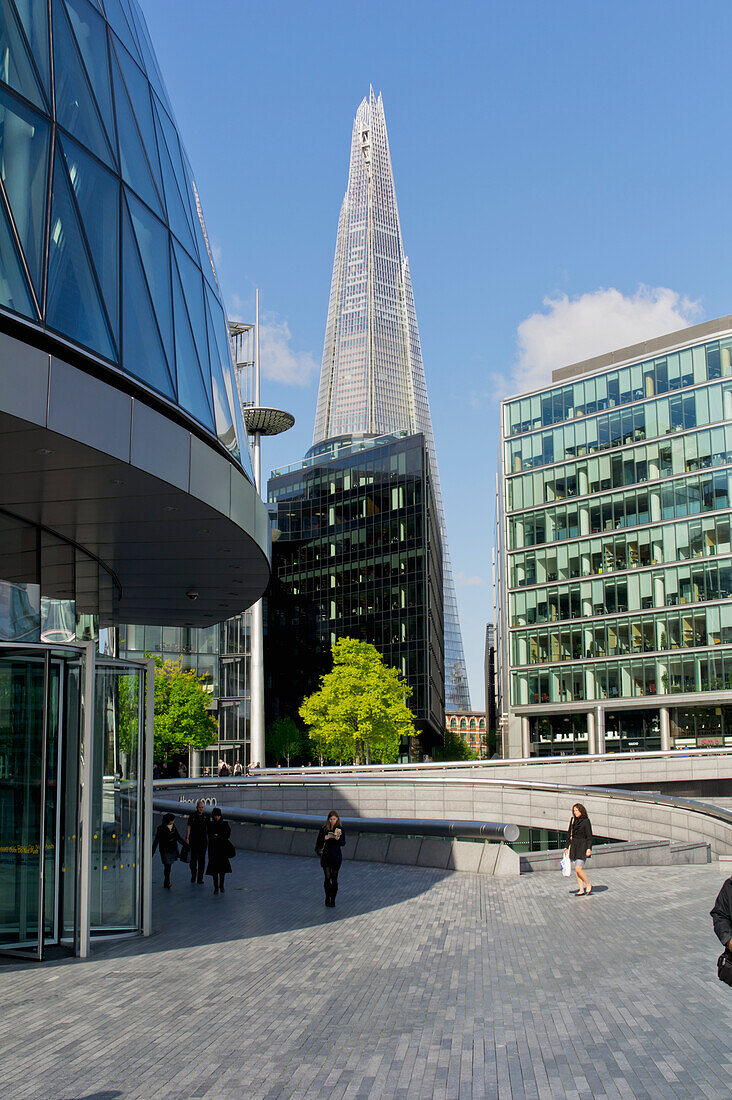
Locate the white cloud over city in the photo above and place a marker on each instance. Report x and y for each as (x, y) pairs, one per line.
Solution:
(568, 329)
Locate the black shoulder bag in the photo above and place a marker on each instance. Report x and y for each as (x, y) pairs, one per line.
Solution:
(724, 967)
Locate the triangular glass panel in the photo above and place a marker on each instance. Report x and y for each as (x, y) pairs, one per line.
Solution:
(172, 144)
(97, 195)
(73, 303)
(222, 412)
(154, 244)
(14, 290)
(221, 334)
(206, 261)
(119, 24)
(192, 394)
(138, 90)
(16, 68)
(142, 348)
(34, 17)
(91, 38)
(76, 109)
(24, 169)
(148, 54)
(133, 158)
(192, 282)
(178, 219)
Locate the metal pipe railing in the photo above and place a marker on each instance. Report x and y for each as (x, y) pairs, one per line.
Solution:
(393, 826)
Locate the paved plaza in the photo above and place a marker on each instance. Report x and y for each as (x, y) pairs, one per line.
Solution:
(420, 984)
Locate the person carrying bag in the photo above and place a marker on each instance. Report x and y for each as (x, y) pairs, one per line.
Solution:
(721, 916)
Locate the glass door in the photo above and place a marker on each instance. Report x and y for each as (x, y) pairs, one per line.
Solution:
(29, 755)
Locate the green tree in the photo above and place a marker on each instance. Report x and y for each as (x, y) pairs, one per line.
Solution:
(360, 708)
(181, 717)
(454, 748)
(285, 739)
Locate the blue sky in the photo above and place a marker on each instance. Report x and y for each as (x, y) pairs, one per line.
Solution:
(563, 173)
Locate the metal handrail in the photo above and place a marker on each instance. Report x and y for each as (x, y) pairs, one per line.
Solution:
(469, 765)
(402, 826)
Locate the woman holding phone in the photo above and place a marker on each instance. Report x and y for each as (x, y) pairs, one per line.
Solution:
(331, 839)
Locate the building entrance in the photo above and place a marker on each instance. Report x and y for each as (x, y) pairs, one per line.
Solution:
(71, 797)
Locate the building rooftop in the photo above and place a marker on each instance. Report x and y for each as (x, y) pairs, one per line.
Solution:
(693, 334)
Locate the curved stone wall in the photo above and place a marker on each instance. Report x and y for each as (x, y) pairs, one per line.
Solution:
(625, 815)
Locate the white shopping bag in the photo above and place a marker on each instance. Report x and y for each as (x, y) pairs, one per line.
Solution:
(566, 866)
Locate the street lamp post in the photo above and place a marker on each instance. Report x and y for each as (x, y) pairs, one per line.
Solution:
(259, 420)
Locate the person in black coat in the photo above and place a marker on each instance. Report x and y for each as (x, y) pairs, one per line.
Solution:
(721, 915)
(167, 839)
(331, 839)
(579, 846)
(197, 838)
(219, 849)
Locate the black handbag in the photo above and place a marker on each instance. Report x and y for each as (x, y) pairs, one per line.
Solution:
(185, 853)
(230, 850)
(724, 967)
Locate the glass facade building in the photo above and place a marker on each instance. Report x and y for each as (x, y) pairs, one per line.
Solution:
(372, 379)
(356, 553)
(615, 552)
(126, 490)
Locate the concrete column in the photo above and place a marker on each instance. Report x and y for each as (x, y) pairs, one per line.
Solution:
(584, 517)
(195, 771)
(525, 741)
(591, 739)
(727, 395)
(655, 504)
(584, 484)
(599, 729)
(664, 715)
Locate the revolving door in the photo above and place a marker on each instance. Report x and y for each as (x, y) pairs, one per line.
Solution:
(73, 822)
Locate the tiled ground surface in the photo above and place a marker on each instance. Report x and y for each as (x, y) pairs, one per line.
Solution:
(419, 984)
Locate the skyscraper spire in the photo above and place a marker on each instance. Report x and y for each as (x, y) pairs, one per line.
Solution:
(372, 378)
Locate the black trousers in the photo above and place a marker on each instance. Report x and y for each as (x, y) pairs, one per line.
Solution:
(330, 881)
(166, 873)
(198, 862)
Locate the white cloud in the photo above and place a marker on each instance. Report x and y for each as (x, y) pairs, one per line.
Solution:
(469, 582)
(573, 329)
(279, 360)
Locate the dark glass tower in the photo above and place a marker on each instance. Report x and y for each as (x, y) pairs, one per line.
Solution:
(357, 553)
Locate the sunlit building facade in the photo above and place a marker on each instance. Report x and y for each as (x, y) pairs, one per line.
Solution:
(615, 551)
(372, 379)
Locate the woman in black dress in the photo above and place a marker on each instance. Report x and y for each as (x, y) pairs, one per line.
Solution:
(579, 846)
(167, 839)
(331, 839)
(219, 849)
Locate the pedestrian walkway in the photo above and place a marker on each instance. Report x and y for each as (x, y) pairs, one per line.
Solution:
(420, 984)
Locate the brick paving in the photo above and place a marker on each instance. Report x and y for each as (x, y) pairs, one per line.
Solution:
(420, 984)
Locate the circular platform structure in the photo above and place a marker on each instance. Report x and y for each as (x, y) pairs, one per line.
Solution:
(266, 421)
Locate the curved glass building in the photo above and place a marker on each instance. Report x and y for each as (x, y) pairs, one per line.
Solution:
(126, 492)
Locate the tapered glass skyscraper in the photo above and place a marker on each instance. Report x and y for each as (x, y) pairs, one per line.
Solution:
(372, 378)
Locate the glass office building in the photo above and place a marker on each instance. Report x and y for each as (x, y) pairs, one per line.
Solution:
(615, 553)
(356, 553)
(372, 379)
(126, 491)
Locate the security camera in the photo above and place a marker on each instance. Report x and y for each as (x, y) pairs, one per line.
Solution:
(192, 594)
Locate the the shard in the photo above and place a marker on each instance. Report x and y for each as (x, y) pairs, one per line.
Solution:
(372, 379)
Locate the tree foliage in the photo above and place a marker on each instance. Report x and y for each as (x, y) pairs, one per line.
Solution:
(454, 748)
(181, 717)
(360, 709)
(285, 739)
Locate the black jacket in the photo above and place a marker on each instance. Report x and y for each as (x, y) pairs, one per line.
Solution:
(167, 840)
(579, 837)
(721, 914)
(218, 847)
(198, 824)
(331, 856)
